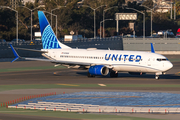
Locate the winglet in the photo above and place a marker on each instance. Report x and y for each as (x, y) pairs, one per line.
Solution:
(15, 53)
(152, 48)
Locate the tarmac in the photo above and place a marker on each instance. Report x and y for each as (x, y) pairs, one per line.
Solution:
(74, 76)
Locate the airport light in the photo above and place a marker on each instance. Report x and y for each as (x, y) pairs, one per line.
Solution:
(56, 20)
(94, 16)
(151, 16)
(16, 20)
(55, 9)
(143, 20)
(104, 16)
(103, 28)
(31, 16)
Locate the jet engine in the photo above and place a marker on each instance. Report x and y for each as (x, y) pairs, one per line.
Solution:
(98, 70)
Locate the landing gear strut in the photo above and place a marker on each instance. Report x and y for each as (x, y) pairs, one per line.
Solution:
(113, 74)
(89, 75)
(157, 75)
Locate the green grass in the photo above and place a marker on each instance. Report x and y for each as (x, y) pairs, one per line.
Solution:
(174, 60)
(73, 115)
(30, 68)
(49, 86)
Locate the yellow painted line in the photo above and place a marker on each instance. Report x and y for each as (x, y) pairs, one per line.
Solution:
(68, 84)
(177, 73)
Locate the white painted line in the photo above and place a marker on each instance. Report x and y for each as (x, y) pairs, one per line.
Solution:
(103, 85)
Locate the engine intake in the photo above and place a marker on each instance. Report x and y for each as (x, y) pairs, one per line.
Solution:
(98, 70)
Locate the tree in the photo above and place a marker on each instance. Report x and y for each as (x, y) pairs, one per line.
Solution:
(148, 3)
(7, 23)
(4, 3)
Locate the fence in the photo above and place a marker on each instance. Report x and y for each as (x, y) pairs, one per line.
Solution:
(113, 43)
(160, 44)
(106, 43)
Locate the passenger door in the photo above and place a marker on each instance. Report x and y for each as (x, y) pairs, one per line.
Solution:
(149, 61)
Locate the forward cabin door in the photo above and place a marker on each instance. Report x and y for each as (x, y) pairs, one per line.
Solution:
(149, 61)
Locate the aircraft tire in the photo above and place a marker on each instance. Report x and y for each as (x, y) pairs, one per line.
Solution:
(113, 74)
(157, 77)
(89, 75)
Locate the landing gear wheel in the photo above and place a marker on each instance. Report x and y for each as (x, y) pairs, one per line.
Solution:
(89, 75)
(113, 74)
(157, 77)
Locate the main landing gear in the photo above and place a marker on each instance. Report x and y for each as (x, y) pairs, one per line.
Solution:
(89, 75)
(113, 73)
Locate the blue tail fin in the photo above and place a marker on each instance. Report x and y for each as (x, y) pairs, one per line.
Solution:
(49, 39)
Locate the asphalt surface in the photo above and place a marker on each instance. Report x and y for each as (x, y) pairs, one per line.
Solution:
(74, 76)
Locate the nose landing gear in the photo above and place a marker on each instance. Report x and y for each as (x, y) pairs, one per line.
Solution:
(157, 75)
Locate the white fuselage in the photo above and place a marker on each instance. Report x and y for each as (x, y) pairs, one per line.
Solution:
(121, 61)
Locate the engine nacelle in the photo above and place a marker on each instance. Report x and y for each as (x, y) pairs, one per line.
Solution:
(98, 70)
(136, 73)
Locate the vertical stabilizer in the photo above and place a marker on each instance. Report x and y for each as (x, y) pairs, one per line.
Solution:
(49, 39)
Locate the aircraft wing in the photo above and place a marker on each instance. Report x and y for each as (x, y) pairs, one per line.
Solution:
(57, 61)
(67, 62)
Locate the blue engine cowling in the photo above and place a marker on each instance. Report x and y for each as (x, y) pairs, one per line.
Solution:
(98, 70)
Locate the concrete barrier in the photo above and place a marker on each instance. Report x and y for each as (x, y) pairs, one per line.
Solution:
(71, 107)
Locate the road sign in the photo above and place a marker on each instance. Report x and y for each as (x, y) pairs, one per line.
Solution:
(126, 16)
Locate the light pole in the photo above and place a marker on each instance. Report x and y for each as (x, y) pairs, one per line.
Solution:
(31, 16)
(143, 20)
(94, 17)
(174, 11)
(16, 20)
(53, 10)
(56, 20)
(104, 16)
(103, 28)
(151, 16)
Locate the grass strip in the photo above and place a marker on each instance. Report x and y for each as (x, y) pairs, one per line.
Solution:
(49, 86)
(72, 115)
(30, 68)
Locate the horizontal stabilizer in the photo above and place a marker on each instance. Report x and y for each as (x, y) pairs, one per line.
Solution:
(15, 53)
(33, 50)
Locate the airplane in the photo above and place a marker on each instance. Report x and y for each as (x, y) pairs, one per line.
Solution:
(98, 62)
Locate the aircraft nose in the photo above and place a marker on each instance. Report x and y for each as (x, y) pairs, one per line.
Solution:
(170, 65)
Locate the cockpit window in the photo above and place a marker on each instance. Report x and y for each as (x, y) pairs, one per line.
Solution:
(162, 59)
